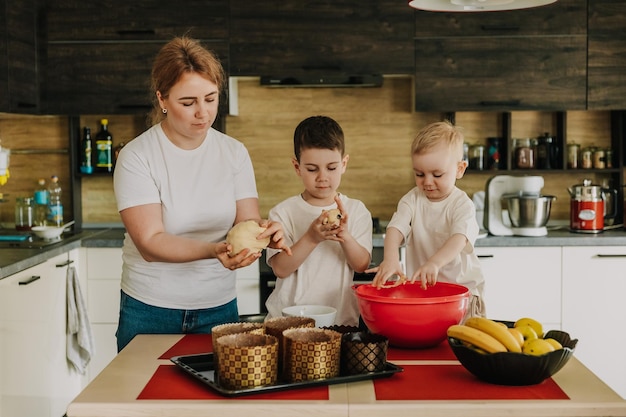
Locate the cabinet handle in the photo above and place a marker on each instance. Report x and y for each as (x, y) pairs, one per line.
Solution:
(510, 103)
(23, 105)
(29, 280)
(126, 32)
(66, 263)
(501, 28)
(485, 256)
(604, 255)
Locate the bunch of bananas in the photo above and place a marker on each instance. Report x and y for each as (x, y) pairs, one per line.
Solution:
(489, 336)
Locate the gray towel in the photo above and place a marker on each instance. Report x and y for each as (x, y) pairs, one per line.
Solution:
(80, 344)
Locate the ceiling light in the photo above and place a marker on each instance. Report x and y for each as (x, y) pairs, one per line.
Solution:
(476, 5)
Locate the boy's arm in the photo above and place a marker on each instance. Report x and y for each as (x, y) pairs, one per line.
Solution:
(390, 265)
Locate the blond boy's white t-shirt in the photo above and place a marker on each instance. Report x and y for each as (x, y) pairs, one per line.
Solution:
(198, 190)
(426, 225)
(324, 277)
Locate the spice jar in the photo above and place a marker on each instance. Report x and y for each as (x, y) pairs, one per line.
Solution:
(573, 151)
(24, 213)
(545, 152)
(524, 155)
(477, 157)
(586, 158)
(599, 158)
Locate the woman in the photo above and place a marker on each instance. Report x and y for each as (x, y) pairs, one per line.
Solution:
(180, 186)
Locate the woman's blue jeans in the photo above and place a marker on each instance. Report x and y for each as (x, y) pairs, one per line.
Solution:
(140, 318)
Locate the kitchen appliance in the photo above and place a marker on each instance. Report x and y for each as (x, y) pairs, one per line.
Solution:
(588, 207)
(522, 195)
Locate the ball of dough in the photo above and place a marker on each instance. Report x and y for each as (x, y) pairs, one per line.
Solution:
(333, 217)
(243, 236)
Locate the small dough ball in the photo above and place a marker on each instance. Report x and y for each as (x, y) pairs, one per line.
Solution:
(333, 217)
(243, 236)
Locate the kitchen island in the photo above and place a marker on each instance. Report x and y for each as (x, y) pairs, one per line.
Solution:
(141, 381)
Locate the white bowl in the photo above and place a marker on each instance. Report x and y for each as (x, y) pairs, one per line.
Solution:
(48, 232)
(324, 315)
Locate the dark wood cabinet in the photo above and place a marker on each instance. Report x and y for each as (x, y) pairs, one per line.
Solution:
(100, 55)
(19, 84)
(327, 36)
(532, 59)
(606, 82)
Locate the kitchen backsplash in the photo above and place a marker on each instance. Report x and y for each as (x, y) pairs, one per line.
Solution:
(379, 125)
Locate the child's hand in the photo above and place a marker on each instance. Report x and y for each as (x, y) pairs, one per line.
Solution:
(275, 231)
(427, 274)
(320, 230)
(384, 271)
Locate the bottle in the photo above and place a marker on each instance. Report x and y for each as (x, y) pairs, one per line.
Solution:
(55, 206)
(24, 215)
(86, 167)
(40, 197)
(104, 147)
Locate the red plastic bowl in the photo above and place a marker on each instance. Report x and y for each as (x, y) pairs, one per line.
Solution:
(411, 317)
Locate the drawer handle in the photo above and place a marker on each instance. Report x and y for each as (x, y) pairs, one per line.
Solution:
(66, 263)
(605, 255)
(485, 256)
(29, 280)
(136, 32)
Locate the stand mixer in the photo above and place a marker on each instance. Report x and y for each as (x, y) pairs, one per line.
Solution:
(496, 218)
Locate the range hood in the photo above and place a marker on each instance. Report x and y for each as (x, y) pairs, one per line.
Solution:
(323, 80)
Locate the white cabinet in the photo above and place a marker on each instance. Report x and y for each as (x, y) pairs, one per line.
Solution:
(248, 301)
(36, 378)
(104, 274)
(594, 285)
(523, 282)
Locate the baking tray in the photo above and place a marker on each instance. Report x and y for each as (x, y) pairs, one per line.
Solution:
(202, 367)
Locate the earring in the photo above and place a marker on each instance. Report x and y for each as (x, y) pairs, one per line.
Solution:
(164, 111)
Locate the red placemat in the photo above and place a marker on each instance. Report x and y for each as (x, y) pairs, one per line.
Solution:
(190, 344)
(171, 383)
(454, 382)
(439, 352)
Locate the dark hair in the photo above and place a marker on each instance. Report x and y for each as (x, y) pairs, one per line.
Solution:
(318, 132)
(179, 56)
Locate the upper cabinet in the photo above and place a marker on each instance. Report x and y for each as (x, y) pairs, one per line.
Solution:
(607, 57)
(289, 37)
(19, 86)
(100, 55)
(531, 59)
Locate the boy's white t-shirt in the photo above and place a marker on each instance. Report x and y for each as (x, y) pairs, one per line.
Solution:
(427, 225)
(324, 277)
(198, 190)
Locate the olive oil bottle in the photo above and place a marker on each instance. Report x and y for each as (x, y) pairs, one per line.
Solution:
(104, 148)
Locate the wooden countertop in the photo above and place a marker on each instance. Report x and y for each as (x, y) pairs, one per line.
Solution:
(115, 392)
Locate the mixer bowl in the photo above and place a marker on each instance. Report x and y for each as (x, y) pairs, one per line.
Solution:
(528, 210)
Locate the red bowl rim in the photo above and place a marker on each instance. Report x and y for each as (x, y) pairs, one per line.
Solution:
(415, 300)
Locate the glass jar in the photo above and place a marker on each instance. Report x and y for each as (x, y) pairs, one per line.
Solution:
(24, 213)
(524, 154)
(573, 154)
(599, 158)
(586, 157)
(477, 157)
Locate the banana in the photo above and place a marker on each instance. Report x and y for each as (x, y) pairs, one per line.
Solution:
(475, 337)
(495, 330)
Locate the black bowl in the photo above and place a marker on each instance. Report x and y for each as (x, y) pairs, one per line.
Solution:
(510, 368)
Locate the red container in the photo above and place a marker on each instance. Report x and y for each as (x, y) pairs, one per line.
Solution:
(411, 317)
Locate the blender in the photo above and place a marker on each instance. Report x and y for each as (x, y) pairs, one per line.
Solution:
(514, 206)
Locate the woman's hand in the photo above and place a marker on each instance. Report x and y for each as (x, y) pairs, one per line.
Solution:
(240, 260)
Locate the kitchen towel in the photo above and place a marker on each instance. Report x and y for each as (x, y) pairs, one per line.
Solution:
(80, 343)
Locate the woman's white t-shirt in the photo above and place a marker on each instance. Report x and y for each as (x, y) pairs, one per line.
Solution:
(198, 190)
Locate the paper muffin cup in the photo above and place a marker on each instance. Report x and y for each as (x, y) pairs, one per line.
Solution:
(311, 353)
(363, 352)
(277, 325)
(247, 360)
(233, 328)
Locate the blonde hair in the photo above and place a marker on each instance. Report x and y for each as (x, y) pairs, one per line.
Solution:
(437, 133)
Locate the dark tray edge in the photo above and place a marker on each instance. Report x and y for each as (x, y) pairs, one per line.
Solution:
(389, 370)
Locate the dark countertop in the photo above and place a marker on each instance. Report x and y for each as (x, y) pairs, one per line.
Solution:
(16, 260)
